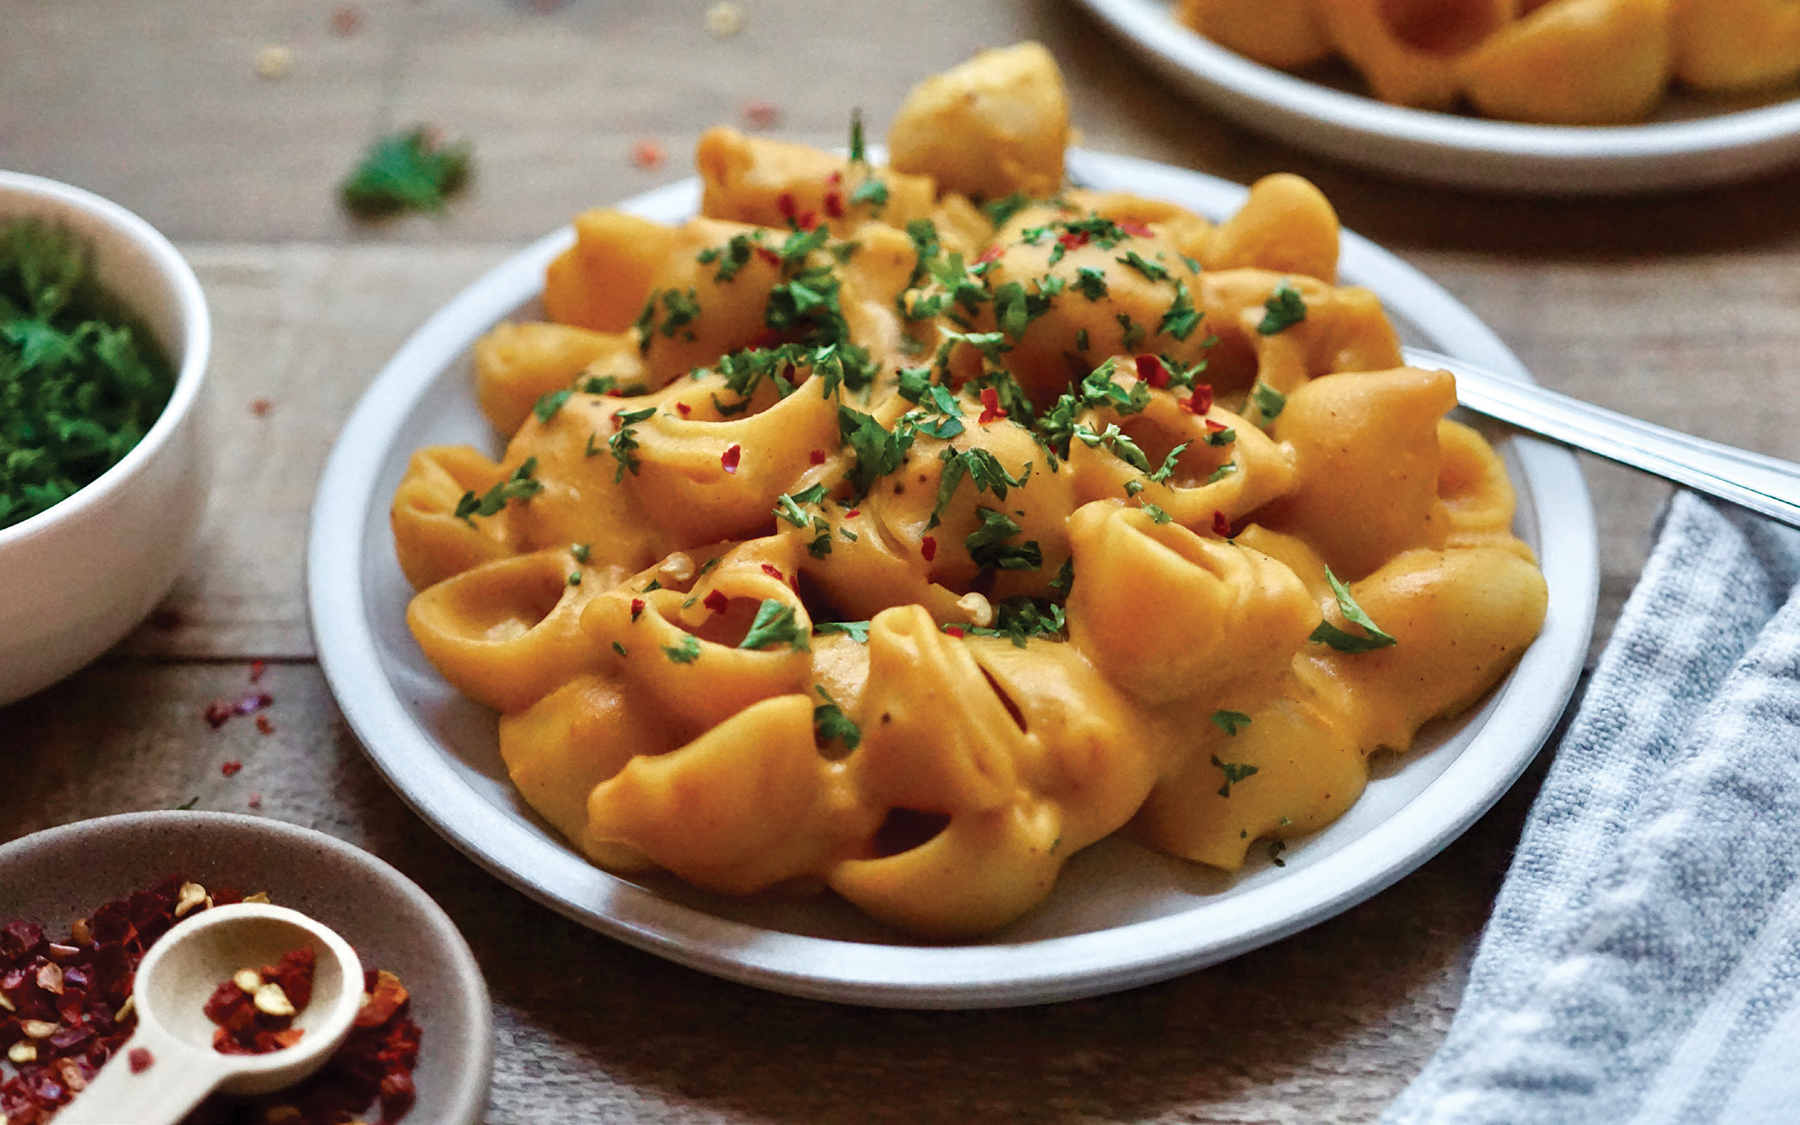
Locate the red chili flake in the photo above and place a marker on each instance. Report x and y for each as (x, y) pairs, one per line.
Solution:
(928, 547)
(1214, 426)
(1074, 240)
(684, 409)
(953, 631)
(834, 204)
(761, 114)
(647, 154)
(230, 769)
(990, 406)
(717, 601)
(1136, 230)
(773, 259)
(1202, 399)
(166, 619)
(140, 1059)
(217, 714)
(852, 513)
(730, 458)
(1151, 370)
(251, 704)
(786, 205)
(1221, 525)
(991, 254)
(836, 178)
(263, 725)
(245, 1029)
(637, 607)
(773, 571)
(255, 801)
(257, 668)
(260, 406)
(817, 457)
(346, 21)
(807, 220)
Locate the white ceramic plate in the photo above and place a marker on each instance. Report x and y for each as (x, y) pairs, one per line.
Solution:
(61, 874)
(1691, 143)
(1120, 916)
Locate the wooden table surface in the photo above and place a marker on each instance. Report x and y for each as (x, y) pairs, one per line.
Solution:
(1680, 308)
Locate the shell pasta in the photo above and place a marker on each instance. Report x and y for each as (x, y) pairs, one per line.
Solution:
(900, 531)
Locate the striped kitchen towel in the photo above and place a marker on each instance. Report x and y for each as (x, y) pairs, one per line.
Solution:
(1642, 964)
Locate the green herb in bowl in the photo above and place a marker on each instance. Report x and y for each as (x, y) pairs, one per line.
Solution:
(80, 384)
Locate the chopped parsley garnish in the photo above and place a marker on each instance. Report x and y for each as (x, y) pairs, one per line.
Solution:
(989, 550)
(878, 450)
(774, 624)
(580, 551)
(1268, 401)
(574, 578)
(788, 509)
(857, 631)
(618, 648)
(1001, 211)
(547, 405)
(1222, 472)
(1133, 332)
(1168, 466)
(830, 723)
(980, 466)
(858, 155)
(623, 444)
(519, 486)
(1015, 309)
(1090, 283)
(80, 384)
(1221, 437)
(1343, 641)
(1284, 309)
(1143, 265)
(1157, 515)
(686, 652)
(1230, 721)
(1182, 318)
(609, 385)
(1065, 578)
(871, 191)
(1276, 847)
(681, 309)
(1116, 442)
(734, 256)
(1234, 773)
(408, 171)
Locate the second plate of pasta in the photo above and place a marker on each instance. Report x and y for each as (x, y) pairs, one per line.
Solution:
(1120, 915)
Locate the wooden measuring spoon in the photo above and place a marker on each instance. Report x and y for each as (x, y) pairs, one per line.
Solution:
(173, 983)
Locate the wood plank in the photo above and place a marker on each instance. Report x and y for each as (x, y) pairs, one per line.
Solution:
(1325, 1026)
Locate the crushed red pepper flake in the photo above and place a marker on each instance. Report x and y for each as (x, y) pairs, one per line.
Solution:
(817, 457)
(231, 768)
(991, 410)
(773, 571)
(637, 608)
(684, 409)
(1151, 370)
(1221, 526)
(257, 668)
(1135, 229)
(730, 458)
(255, 801)
(717, 601)
(761, 114)
(217, 714)
(834, 204)
(991, 254)
(954, 631)
(1200, 401)
(261, 407)
(928, 547)
(346, 21)
(368, 1078)
(852, 513)
(1074, 240)
(259, 1020)
(647, 154)
(1214, 426)
(770, 337)
(786, 205)
(263, 725)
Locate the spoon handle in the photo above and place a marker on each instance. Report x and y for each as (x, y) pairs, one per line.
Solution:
(1768, 486)
(170, 1081)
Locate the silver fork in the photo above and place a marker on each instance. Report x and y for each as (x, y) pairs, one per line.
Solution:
(1766, 485)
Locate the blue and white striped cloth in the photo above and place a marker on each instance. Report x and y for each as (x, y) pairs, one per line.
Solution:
(1642, 965)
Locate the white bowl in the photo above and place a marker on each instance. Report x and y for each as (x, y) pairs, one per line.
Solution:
(75, 578)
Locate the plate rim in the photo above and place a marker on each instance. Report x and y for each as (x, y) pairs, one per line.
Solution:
(1448, 148)
(907, 976)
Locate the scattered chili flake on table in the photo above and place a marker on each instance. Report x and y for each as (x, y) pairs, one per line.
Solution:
(65, 1009)
(260, 407)
(257, 668)
(346, 21)
(230, 769)
(255, 801)
(263, 725)
(760, 114)
(647, 154)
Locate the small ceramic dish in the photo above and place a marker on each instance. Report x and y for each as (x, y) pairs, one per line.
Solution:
(81, 574)
(1689, 142)
(57, 876)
